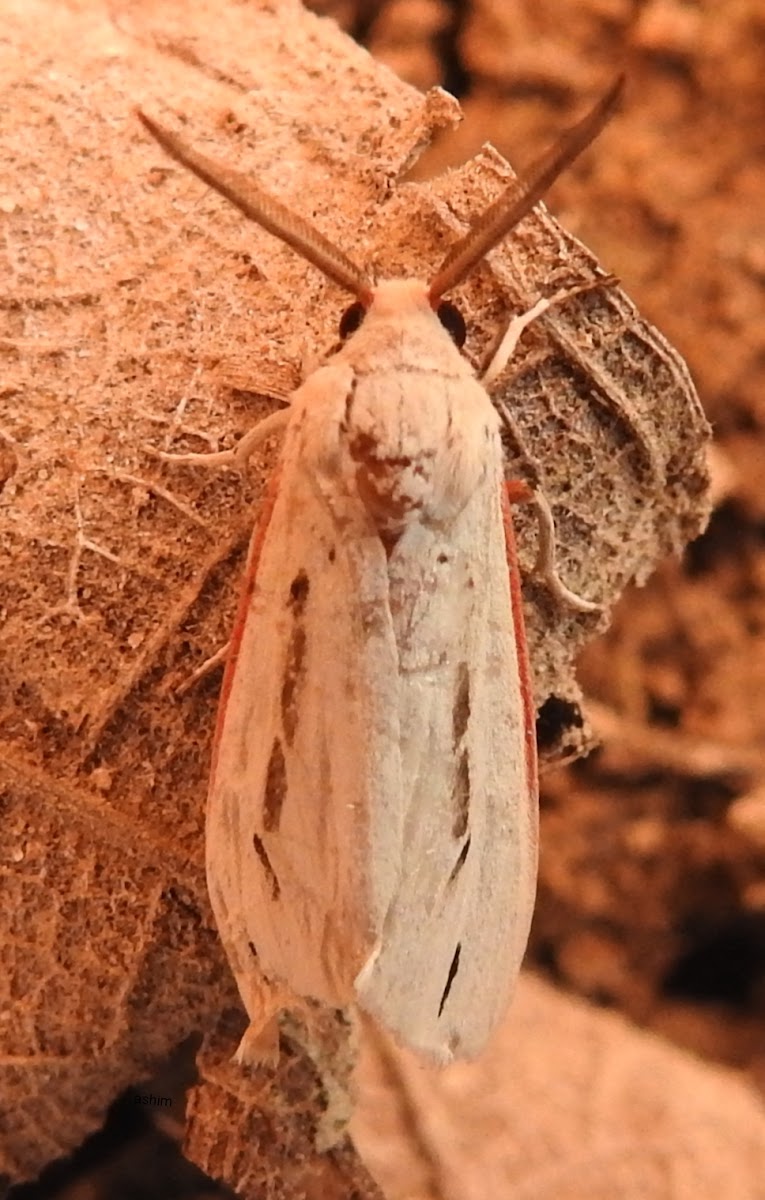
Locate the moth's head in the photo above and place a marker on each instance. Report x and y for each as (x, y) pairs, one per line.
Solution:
(395, 297)
(400, 300)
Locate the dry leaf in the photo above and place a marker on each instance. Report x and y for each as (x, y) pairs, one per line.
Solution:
(568, 1103)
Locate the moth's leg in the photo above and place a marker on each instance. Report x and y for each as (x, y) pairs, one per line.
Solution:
(503, 348)
(241, 452)
(520, 492)
(203, 669)
(237, 457)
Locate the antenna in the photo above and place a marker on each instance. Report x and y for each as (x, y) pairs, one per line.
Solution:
(266, 211)
(521, 196)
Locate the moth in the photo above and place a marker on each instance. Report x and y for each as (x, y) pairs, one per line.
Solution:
(372, 814)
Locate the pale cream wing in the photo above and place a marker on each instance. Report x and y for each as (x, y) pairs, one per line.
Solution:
(307, 742)
(455, 929)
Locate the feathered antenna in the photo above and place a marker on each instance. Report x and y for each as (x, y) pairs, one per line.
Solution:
(521, 196)
(266, 211)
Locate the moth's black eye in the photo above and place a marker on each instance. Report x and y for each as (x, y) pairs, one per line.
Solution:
(453, 322)
(351, 319)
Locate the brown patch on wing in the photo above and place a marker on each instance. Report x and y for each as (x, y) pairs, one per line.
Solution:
(294, 677)
(268, 870)
(299, 589)
(461, 795)
(461, 786)
(382, 482)
(276, 788)
(294, 670)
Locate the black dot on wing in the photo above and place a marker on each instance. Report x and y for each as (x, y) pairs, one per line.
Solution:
(453, 969)
(461, 860)
(275, 790)
(299, 589)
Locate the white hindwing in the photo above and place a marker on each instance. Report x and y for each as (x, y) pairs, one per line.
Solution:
(372, 812)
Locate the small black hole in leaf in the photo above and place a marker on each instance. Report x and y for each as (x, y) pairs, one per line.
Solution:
(555, 718)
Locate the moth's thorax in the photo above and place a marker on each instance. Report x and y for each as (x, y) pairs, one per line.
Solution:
(401, 331)
(419, 431)
(393, 296)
